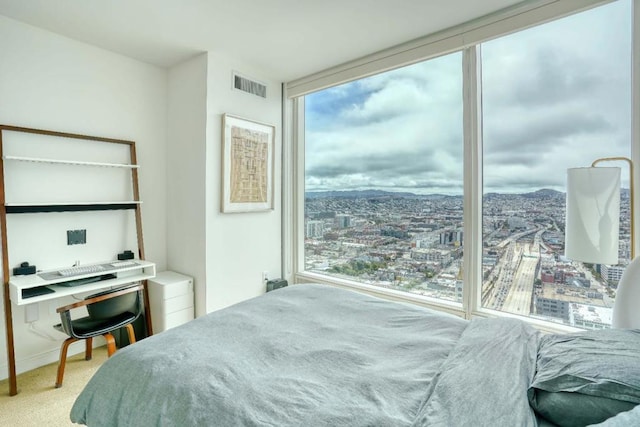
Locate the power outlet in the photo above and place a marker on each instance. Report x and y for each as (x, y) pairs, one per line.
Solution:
(31, 313)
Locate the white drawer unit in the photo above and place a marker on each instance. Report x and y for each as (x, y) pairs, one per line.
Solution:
(171, 300)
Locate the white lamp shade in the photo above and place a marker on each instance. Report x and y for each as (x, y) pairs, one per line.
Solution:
(593, 215)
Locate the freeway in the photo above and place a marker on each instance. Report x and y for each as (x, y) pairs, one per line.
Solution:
(513, 288)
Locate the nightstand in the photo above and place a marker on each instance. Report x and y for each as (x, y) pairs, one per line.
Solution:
(171, 300)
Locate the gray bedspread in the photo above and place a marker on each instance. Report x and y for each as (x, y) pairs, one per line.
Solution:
(314, 355)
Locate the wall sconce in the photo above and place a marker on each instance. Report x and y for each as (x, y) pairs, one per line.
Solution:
(592, 231)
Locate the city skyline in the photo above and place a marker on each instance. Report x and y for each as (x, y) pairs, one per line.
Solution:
(623, 191)
(415, 244)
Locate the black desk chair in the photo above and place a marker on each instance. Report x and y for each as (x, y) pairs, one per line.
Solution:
(108, 311)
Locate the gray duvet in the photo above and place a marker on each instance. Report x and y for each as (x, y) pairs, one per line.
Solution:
(314, 355)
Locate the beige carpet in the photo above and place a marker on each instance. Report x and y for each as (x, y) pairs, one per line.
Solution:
(38, 402)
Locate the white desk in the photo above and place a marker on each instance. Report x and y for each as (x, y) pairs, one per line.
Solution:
(142, 271)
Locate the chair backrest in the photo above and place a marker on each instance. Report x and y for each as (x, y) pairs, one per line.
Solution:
(110, 304)
(130, 302)
(108, 308)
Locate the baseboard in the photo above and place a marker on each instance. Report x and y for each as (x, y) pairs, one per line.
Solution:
(32, 362)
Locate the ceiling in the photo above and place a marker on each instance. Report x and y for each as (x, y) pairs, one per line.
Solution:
(288, 39)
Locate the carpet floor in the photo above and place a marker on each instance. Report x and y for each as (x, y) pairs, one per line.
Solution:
(38, 403)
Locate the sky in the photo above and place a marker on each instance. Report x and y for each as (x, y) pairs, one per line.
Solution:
(554, 96)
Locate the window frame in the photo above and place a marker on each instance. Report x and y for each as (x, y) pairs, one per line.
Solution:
(467, 39)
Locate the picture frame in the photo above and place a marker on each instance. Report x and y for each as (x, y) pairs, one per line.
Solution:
(247, 165)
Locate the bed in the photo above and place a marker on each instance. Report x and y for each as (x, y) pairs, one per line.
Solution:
(316, 355)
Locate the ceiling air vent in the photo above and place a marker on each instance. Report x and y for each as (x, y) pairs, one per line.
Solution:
(250, 86)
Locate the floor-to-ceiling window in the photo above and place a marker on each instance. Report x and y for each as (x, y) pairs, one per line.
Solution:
(383, 179)
(386, 190)
(555, 96)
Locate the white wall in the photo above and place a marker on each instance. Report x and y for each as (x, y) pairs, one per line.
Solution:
(225, 253)
(186, 165)
(240, 246)
(51, 82)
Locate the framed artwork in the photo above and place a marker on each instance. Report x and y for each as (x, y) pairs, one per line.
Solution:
(247, 165)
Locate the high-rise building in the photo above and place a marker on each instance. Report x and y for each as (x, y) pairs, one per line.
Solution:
(342, 221)
(315, 229)
(611, 273)
(451, 237)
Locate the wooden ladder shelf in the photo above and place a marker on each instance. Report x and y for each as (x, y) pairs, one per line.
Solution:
(62, 207)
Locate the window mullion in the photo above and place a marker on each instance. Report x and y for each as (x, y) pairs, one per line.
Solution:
(289, 175)
(472, 105)
(635, 109)
(298, 185)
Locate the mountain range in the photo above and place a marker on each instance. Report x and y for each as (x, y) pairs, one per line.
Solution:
(368, 194)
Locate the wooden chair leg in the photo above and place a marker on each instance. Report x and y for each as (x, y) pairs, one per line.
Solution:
(88, 350)
(131, 332)
(63, 360)
(111, 344)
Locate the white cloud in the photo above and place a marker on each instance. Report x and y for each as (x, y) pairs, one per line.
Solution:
(555, 96)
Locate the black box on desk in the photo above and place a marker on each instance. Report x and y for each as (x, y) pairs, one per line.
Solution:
(125, 255)
(24, 269)
(276, 284)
